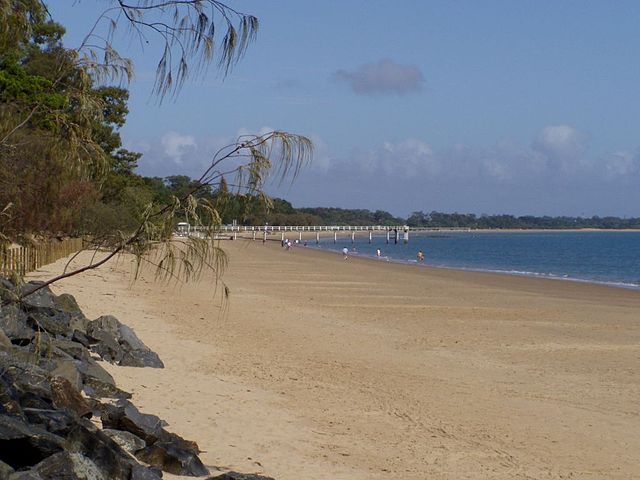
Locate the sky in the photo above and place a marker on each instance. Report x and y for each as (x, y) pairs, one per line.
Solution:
(499, 106)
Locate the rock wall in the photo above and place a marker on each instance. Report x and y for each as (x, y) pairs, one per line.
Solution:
(62, 416)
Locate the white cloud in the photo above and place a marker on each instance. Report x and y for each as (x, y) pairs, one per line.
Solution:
(621, 164)
(555, 173)
(383, 77)
(404, 159)
(563, 146)
(176, 145)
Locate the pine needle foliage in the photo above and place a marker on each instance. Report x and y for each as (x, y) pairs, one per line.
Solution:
(191, 34)
(251, 160)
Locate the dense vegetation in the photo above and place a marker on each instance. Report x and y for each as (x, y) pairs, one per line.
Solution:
(283, 213)
(469, 220)
(63, 168)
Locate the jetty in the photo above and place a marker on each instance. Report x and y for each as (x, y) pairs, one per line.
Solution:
(393, 233)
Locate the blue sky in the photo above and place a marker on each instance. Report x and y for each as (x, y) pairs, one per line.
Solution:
(522, 107)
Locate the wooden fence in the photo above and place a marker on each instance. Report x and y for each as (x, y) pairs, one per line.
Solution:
(22, 260)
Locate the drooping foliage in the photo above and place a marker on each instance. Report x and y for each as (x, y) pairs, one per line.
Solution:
(63, 168)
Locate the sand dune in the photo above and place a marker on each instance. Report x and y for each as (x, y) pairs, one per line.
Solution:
(323, 368)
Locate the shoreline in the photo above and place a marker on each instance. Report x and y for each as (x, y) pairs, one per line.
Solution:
(352, 370)
(413, 263)
(518, 274)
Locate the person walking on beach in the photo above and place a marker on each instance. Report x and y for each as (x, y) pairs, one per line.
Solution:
(420, 256)
(378, 253)
(345, 252)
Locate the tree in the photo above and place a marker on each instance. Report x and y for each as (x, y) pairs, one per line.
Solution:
(83, 116)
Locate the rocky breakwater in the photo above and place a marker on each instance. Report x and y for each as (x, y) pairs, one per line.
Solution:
(62, 416)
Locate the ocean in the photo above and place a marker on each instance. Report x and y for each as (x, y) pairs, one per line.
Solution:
(611, 258)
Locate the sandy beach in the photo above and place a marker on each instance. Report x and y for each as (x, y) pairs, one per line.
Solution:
(323, 368)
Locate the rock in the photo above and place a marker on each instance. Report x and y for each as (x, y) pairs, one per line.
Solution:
(8, 291)
(164, 450)
(97, 381)
(67, 303)
(13, 322)
(68, 466)
(68, 370)
(50, 320)
(5, 471)
(54, 421)
(9, 397)
(23, 445)
(176, 439)
(127, 440)
(125, 416)
(43, 298)
(112, 460)
(137, 354)
(141, 472)
(65, 396)
(59, 315)
(71, 348)
(173, 459)
(79, 337)
(45, 364)
(239, 476)
(30, 382)
(5, 342)
(6, 284)
(28, 475)
(117, 343)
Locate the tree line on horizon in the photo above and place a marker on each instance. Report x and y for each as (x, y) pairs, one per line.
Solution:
(64, 170)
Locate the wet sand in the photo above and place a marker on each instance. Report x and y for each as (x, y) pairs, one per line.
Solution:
(324, 368)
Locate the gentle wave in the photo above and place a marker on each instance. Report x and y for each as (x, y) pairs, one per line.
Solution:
(610, 259)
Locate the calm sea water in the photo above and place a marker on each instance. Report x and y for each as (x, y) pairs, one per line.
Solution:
(600, 257)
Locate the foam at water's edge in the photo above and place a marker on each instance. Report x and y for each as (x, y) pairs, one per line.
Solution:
(550, 276)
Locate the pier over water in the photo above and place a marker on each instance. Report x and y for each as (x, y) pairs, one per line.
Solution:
(394, 233)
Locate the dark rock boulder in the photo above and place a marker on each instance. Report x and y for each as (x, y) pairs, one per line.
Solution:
(66, 397)
(28, 475)
(67, 303)
(45, 365)
(71, 348)
(68, 369)
(5, 342)
(117, 343)
(164, 450)
(58, 315)
(140, 472)
(173, 458)
(9, 397)
(13, 322)
(33, 300)
(79, 337)
(127, 440)
(50, 320)
(126, 417)
(23, 445)
(53, 421)
(5, 471)
(29, 381)
(97, 381)
(112, 460)
(6, 284)
(68, 466)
